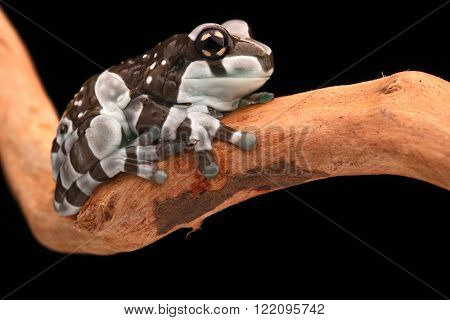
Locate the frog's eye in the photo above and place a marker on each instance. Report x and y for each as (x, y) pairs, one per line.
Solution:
(63, 128)
(212, 44)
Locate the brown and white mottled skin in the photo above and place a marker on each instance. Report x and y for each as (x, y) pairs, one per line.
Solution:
(158, 104)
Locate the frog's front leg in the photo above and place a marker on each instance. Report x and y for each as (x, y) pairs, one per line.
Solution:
(203, 128)
(242, 139)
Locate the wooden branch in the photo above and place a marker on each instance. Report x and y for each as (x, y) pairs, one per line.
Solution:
(394, 125)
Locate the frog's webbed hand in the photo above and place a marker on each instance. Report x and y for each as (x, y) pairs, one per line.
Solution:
(256, 98)
(203, 128)
(205, 158)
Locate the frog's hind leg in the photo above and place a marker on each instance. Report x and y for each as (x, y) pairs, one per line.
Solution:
(102, 138)
(72, 200)
(135, 159)
(60, 152)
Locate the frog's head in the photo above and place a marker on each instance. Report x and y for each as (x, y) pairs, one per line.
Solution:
(219, 64)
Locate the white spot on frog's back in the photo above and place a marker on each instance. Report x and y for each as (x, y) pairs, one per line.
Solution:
(149, 79)
(153, 66)
(111, 91)
(163, 62)
(155, 55)
(78, 103)
(145, 56)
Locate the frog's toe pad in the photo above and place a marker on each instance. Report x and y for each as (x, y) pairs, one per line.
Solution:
(159, 177)
(210, 171)
(248, 141)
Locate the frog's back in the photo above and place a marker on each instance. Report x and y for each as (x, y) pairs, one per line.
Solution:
(145, 73)
(84, 105)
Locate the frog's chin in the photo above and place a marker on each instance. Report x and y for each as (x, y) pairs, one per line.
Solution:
(221, 93)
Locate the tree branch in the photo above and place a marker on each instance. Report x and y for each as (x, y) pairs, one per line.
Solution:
(394, 125)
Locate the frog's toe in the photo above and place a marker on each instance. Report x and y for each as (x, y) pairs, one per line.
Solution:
(210, 170)
(248, 141)
(265, 97)
(159, 177)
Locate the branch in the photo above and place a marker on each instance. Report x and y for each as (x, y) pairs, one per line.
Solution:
(394, 125)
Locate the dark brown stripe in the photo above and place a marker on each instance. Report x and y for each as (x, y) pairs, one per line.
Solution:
(130, 165)
(153, 115)
(217, 68)
(59, 190)
(184, 130)
(55, 146)
(131, 153)
(97, 173)
(75, 196)
(63, 148)
(204, 159)
(144, 140)
(170, 148)
(149, 137)
(266, 62)
(224, 133)
(81, 155)
(87, 121)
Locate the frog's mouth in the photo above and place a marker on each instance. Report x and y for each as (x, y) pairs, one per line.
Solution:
(221, 93)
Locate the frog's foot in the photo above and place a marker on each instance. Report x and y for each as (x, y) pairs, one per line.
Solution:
(146, 170)
(123, 160)
(148, 155)
(138, 160)
(256, 98)
(247, 141)
(206, 165)
(159, 177)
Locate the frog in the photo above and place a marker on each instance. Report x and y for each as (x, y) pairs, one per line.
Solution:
(163, 102)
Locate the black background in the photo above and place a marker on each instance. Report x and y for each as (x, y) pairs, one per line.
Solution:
(272, 246)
